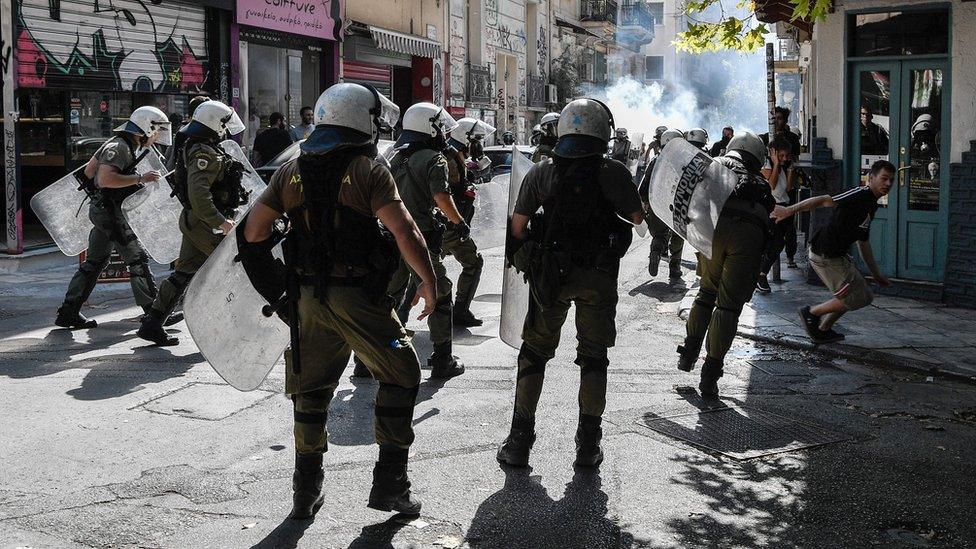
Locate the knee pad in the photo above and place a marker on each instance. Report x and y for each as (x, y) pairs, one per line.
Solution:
(393, 401)
(180, 279)
(534, 364)
(140, 267)
(592, 365)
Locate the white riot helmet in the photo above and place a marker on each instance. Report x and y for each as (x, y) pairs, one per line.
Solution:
(659, 130)
(468, 129)
(668, 135)
(549, 124)
(584, 129)
(350, 114)
(698, 137)
(214, 120)
(148, 121)
(747, 147)
(424, 122)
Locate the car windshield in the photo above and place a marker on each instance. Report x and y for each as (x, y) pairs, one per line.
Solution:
(499, 158)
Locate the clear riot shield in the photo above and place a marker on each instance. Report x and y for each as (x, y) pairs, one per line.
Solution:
(223, 315)
(154, 215)
(491, 212)
(688, 191)
(515, 291)
(252, 181)
(63, 210)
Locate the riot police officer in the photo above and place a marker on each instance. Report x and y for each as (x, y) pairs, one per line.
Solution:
(421, 171)
(571, 253)
(536, 135)
(621, 146)
(469, 134)
(549, 127)
(112, 175)
(697, 137)
(207, 182)
(663, 239)
(729, 277)
(348, 228)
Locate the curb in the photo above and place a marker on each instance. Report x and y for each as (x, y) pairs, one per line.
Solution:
(869, 357)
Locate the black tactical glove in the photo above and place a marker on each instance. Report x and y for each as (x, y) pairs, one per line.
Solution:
(266, 273)
(462, 229)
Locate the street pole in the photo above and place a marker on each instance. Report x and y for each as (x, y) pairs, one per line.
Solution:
(771, 104)
(13, 228)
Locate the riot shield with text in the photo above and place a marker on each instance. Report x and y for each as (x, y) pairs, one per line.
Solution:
(688, 190)
(515, 290)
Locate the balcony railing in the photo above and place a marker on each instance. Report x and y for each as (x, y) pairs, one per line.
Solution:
(598, 11)
(636, 15)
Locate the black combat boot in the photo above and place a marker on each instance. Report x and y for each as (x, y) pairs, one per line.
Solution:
(515, 449)
(170, 320)
(674, 268)
(306, 483)
(588, 436)
(443, 364)
(69, 316)
(688, 356)
(391, 487)
(152, 330)
(653, 262)
(464, 318)
(710, 374)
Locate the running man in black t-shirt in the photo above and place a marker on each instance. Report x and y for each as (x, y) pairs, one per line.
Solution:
(849, 223)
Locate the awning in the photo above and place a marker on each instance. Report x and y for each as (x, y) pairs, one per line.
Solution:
(776, 11)
(560, 22)
(405, 43)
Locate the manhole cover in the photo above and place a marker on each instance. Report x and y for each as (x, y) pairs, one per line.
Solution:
(741, 433)
(781, 368)
(205, 401)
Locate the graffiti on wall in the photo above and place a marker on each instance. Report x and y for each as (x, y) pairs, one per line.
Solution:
(140, 45)
(458, 49)
(543, 56)
(491, 12)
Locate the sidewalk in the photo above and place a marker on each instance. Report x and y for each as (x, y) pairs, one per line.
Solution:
(905, 333)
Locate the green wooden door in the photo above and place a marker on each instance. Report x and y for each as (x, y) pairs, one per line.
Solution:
(901, 115)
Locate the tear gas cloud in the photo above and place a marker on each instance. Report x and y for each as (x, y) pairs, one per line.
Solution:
(730, 91)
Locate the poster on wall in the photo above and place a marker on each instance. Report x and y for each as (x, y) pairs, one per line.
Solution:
(322, 20)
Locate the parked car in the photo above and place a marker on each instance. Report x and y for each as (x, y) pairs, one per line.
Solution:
(385, 147)
(501, 158)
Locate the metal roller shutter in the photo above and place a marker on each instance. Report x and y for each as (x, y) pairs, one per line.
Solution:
(125, 45)
(368, 73)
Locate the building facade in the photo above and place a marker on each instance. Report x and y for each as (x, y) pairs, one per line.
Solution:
(894, 81)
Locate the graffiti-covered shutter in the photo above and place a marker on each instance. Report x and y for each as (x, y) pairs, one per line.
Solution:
(119, 45)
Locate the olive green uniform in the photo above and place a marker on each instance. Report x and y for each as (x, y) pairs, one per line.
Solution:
(662, 237)
(593, 289)
(347, 319)
(418, 179)
(728, 279)
(112, 231)
(465, 250)
(541, 152)
(206, 164)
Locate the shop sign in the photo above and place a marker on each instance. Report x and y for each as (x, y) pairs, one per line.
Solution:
(317, 19)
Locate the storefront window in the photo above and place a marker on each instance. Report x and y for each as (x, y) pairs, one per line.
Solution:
(913, 32)
(925, 151)
(91, 118)
(281, 80)
(875, 98)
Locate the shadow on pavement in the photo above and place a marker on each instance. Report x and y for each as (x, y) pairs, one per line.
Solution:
(285, 536)
(523, 515)
(380, 535)
(661, 291)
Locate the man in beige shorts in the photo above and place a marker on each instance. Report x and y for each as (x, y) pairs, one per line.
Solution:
(850, 223)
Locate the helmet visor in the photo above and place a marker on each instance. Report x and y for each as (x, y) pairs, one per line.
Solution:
(444, 121)
(389, 114)
(233, 123)
(164, 133)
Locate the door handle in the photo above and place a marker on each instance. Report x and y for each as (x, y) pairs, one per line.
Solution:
(902, 176)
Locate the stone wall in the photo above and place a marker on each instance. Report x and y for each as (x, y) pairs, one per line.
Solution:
(960, 281)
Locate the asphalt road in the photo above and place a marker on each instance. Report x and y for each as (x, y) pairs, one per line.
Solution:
(109, 443)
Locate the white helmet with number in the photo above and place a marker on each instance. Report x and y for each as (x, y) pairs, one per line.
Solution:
(668, 135)
(584, 129)
(424, 121)
(698, 137)
(350, 114)
(149, 121)
(549, 124)
(745, 144)
(214, 120)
